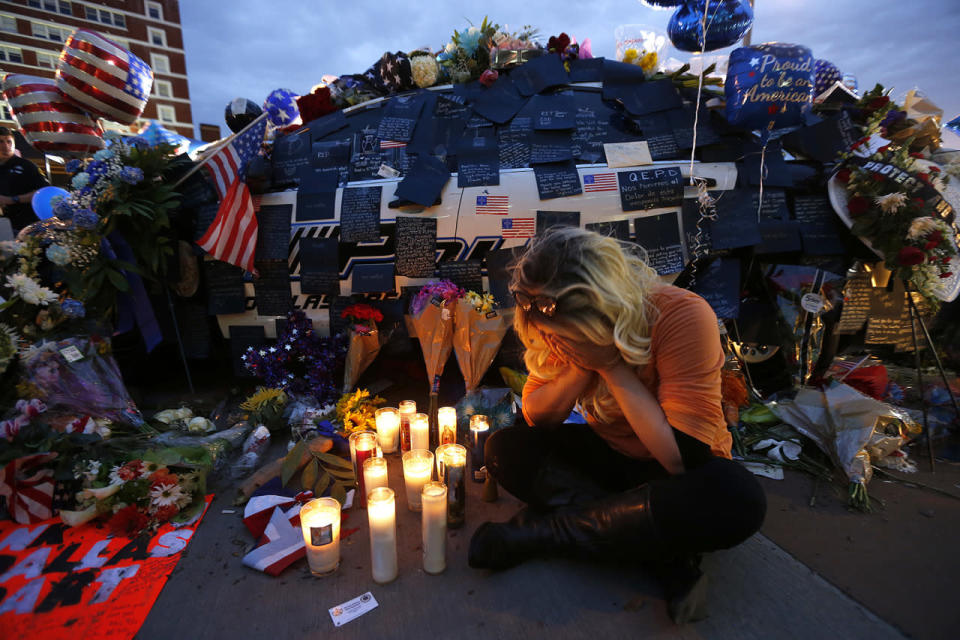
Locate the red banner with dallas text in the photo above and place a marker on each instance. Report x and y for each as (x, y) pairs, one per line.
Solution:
(61, 582)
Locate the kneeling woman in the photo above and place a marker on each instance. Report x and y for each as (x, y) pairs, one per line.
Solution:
(649, 478)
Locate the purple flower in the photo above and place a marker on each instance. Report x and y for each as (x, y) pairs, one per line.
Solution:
(131, 175)
(138, 143)
(63, 210)
(97, 169)
(86, 219)
(73, 308)
(892, 118)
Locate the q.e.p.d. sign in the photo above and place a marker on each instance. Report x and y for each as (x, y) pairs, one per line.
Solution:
(650, 188)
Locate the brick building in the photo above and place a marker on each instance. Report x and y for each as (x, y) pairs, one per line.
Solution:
(32, 34)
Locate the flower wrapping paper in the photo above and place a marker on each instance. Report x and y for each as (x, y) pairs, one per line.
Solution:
(433, 326)
(362, 349)
(476, 340)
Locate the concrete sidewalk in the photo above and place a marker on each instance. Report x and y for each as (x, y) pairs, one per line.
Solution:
(757, 591)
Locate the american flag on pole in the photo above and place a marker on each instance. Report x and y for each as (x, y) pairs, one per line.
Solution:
(233, 235)
(517, 227)
(103, 78)
(599, 182)
(496, 205)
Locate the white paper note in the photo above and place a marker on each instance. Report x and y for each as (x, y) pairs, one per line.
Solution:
(627, 154)
(352, 609)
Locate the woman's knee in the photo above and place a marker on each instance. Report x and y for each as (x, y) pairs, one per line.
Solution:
(741, 500)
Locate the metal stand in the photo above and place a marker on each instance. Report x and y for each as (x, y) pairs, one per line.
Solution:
(916, 318)
(176, 329)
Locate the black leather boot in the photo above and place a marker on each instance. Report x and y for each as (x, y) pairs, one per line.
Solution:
(618, 526)
(560, 484)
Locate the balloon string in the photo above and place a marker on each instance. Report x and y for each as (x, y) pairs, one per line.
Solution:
(763, 156)
(696, 113)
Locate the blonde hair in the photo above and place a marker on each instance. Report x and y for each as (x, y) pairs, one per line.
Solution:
(602, 288)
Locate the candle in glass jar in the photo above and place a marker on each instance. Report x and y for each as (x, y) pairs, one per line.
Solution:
(479, 430)
(407, 409)
(434, 527)
(382, 515)
(454, 472)
(363, 446)
(374, 474)
(438, 456)
(419, 431)
(417, 471)
(447, 421)
(320, 523)
(388, 428)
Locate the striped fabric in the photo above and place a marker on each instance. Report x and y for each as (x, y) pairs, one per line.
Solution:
(103, 77)
(46, 119)
(28, 486)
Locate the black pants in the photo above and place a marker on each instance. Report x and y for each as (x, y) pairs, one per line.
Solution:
(715, 504)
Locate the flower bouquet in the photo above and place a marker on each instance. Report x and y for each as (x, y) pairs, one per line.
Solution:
(478, 331)
(364, 341)
(467, 55)
(78, 376)
(431, 320)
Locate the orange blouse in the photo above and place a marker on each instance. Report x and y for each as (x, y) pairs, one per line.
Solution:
(683, 374)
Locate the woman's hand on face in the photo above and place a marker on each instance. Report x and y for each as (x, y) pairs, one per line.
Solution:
(585, 355)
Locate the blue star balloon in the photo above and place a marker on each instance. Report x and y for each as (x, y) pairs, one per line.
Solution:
(825, 73)
(769, 86)
(281, 107)
(727, 22)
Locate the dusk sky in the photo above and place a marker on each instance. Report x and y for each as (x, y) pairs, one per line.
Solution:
(250, 47)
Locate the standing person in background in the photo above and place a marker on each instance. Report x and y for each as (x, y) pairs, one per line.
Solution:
(649, 478)
(19, 180)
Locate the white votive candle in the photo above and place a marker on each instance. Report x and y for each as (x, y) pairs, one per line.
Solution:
(388, 429)
(374, 474)
(417, 471)
(434, 525)
(420, 431)
(447, 424)
(382, 515)
(320, 522)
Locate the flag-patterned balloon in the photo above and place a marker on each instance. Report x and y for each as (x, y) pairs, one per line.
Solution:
(103, 77)
(46, 119)
(825, 73)
(281, 107)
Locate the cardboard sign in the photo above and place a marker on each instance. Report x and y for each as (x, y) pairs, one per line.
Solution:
(819, 228)
(515, 143)
(63, 583)
(478, 161)
(224, 288)
(650, 188)
(400, 118)
(273, 232)
(272, 288)
(736, 224)
(557, 180)
(719, 285)
(774, 204)
(465, 275)
(416, 250)
(627, 154)
(319, 266)
(551, 146)
(360, 214)
(549, 219)
(556, 112)
(660, 236)
(857, 298)
(425, 181)
(778, 236)
(372, 278)
(500, 102)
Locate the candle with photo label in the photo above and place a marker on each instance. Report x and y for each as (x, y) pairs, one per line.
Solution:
(406, 409)
(320, 523)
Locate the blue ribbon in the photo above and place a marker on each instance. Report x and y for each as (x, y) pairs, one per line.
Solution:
(133, 307)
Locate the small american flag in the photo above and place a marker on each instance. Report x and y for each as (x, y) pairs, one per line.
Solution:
(599, 182)
(496, 205)
(392, 144)
(233, 235)
(517, 227)
(103, 77)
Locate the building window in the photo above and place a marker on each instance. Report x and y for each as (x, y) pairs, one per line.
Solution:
(5, 113)
(49, 32)
(158, 37)
(8, 23)
(106, 17)
(55, 6)
(163, 88)
(166, 113)
(11, 54)
(155, 10)
(160, 63)
(46, 60)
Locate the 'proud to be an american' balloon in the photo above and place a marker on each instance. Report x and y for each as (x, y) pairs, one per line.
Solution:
(103, 77)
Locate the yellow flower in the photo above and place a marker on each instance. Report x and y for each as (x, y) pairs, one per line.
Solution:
(649, 62)
(262, 397)
(630, 55)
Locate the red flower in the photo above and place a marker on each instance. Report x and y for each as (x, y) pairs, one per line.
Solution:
(884, 149)
(879, 102)
(935, 169)
(933, 240)
(909, 256)
(946, 274)
(858, 205)
(878, 177)
(488, 77)
(558, 44)
(916, 154)
(315, 104)
(128, 521)
(843, 175)
(166, 512)
(924, 177)
(162, 476)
